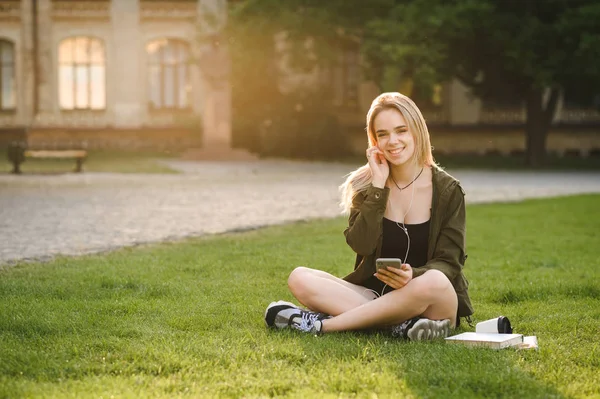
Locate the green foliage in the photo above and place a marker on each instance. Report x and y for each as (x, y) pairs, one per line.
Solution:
(507, 52)
(486, 43)
(490, 45)
(185, 319)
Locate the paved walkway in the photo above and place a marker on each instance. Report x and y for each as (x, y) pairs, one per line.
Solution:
(42, 216)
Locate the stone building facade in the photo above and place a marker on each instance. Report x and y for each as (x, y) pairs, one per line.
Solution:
(129, 68)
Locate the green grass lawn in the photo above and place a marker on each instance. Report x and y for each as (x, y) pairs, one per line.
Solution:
(115, 161)
(186, 319)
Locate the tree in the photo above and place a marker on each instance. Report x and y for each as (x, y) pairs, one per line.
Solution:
(527, 49)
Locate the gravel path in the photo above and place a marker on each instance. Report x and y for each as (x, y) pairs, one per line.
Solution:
(42, 216)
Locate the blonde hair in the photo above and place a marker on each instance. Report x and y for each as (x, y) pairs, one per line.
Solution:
(361, 178)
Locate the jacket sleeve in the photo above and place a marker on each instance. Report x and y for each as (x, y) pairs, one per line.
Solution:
(449, 253)
(366, 218)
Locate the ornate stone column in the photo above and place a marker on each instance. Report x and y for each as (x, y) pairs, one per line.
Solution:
(26, 94)
(215, 66)
(44, 68)
(126, 91)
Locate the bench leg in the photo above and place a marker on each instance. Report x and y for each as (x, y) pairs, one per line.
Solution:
(79, 165)
(16, 168)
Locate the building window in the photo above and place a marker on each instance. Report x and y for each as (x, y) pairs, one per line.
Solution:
(169, 82)
(8, 91)
(82, 74)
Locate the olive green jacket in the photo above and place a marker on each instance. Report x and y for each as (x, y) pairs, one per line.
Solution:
(446, 250)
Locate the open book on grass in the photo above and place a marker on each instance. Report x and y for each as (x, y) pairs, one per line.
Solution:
(486, 340)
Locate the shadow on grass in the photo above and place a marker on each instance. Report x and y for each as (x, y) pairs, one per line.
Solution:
(434, 369)
(570, 291)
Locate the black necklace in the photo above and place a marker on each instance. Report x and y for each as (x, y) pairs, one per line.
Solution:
(403, 188)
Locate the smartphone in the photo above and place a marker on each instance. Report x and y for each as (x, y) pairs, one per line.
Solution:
(385, 262)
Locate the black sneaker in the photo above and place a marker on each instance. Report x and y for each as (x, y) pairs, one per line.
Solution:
(421, 329)
(283, 314)
(280, 314)
(310, 322)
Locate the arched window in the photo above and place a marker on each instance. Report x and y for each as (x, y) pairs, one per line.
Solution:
(81, 73)
(169, 83)
(8, 91)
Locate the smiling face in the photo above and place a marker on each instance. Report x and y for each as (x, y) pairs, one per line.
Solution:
(394, 136)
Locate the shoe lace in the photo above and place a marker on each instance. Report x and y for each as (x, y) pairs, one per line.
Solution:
(307, 322)
(399, 330)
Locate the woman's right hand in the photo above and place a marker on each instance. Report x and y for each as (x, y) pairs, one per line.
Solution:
(380, 168)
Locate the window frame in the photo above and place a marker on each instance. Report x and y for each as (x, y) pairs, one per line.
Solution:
(177, 45)
(11, 45)
(88, 64)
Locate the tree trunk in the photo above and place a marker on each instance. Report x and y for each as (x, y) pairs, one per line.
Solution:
(538, 123)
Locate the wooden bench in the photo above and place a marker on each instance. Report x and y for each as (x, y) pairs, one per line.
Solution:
(19, 152)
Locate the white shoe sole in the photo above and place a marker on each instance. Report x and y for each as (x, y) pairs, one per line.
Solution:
(425, 330)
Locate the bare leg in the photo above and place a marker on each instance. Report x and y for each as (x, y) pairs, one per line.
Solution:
(322, 292)
(430, 295)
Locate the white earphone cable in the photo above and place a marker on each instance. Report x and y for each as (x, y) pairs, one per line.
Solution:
(403, 226)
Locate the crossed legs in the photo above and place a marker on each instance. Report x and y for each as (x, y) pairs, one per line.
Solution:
(430, 295)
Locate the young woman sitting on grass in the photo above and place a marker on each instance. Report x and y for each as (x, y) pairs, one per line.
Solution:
(401, 205)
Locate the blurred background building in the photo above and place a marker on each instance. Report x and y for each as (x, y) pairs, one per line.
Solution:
(125, 70)
(146, 73)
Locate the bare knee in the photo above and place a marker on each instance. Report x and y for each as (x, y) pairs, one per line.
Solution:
(298, 281)
(432, 283)
(440, 295)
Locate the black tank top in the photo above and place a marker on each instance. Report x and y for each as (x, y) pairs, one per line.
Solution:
(395, 242)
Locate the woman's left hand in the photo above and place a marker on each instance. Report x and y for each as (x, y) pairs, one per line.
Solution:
(394, 277)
